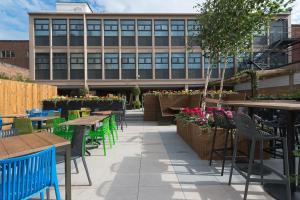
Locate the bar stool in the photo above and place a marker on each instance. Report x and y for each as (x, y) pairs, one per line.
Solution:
(246, 127)
(222, 121)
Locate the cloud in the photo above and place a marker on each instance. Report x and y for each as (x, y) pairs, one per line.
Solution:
(296, 13)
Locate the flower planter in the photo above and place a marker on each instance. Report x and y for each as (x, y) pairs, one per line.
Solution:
(244, 147)
(151, 107)
(182, 128)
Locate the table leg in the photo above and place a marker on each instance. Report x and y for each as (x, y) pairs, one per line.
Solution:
(39, 124)
(68, 173)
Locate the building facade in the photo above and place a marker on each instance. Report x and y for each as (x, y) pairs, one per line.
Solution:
(15, 52)
(113, 50)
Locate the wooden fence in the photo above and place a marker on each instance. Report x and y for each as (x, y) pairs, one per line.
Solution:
(17, 97)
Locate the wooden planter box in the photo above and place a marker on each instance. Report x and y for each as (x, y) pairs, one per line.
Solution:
(244, 147)
(182, 128)
(202, 141)
(151, 108)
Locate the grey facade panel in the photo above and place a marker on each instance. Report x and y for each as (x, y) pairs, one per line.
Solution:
(128, 74)
(178, 73)
(94, 41)
(162, 73)
(111, 73)
(128, 41)
(41, 40)
(76, 40)
(161, 41)
(195, 73)
(145, 73)
(111, 41)
(145, 41)
(60, 74)
(77, 74)
(59, 41)
(178, 41)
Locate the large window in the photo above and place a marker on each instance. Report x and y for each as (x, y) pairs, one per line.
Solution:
(145, 66)
(229, 66)
(59, 32)
(111, 32)
(278, 59)
(128, 32)
(7, 54)
(94, 66)
(77, 66)
(178, 65)
(145, 32)
(213, 67)
(278, 30)
(93, 32)
(42, 66)
(161, 65)
(193, 30)
(194, 65)
(41, 32)
(111, 65)
(260, 37)
(243, 61)
(178, 32)
(76, 32)
(161, 28)
(128, 66)
(60, 66)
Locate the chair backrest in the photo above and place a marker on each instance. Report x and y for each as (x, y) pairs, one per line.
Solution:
(1, 123)
(8, 133)
(78, 140)
(221, 120)
(245, 126)
(25, 176)
(23, 125)
(73, 114)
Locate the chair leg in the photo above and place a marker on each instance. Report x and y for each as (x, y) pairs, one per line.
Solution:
(233, 157)
(104, 145)
(48, 194)
(261, 156)
(86, 171)
(57, 192)
(287, 173)
(213, 146)
(251, 160)
(42, 195)
(225, 151)
(109, 140)
(76, 166)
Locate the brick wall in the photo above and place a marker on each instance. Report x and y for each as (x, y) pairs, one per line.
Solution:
(296, 48)
(21, 50)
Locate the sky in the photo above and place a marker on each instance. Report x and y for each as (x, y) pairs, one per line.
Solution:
(14, 18)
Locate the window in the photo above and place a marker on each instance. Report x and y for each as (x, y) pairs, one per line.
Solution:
(243, 61)
(193, 27)
(111, 61)
(145, 27)
(162, 61)
(178, 27)
(127, 27)
(41, 32)
(41, 27)
(42, 66)
(94, 66)
(110, 27)
(161, 27)
(59, 27)
(93, 27)
(7, 54)
(229, 63)
(194, 61)
(76, 32)
(145, 61)
(278, 30)
(60, 66)
(77, 65)
(128, 61)
(213, 67)
(178, 60)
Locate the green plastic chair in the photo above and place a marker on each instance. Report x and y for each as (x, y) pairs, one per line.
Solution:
(62, 131)
(23, 125)
(73, 114)
(113, 127)
(85, 112)
(101, 133)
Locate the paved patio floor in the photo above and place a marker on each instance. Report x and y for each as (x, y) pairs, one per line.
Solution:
(151, 162)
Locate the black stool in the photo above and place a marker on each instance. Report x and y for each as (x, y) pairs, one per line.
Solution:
(247, 128)
(222, 121)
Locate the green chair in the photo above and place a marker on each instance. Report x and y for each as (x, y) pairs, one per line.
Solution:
(23, 125)
(85, 112)
(113, 127)
(101, 133)
(73, 114)
(62, 131)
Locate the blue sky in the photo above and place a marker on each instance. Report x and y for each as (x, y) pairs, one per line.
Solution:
(14, 18)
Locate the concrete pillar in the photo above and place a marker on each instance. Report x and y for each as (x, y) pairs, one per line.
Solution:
(85, 50)
(50, 49)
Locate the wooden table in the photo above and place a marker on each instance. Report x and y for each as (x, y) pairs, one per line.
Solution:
(176, 108)
(104, 112)
(42, 119)
(85, 121)
(14, 116)
(30, 143)
(291, 108)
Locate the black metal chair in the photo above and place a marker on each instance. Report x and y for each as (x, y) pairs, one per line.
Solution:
(246, 127)
(77, 149)
(222, 121)
(8, 133)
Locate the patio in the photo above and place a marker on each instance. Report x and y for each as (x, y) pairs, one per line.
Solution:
(153, 162)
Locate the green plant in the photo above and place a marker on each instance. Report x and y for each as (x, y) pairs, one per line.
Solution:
(136, 91)
(137, 104)
(84, 91)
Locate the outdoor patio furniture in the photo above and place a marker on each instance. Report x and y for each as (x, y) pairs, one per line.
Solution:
(113, 126)
(23, 125)
(34, 173)
(21, 145)
(73, 114)
(8, 133)
(77, 149)
(62, 131)
(85, 112)
(246, 127)
(39, 120)
(222, 121)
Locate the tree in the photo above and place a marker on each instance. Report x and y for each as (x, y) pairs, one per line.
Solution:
(229, 25)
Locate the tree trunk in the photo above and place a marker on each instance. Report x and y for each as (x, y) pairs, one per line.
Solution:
(222, 79)
(208, 74)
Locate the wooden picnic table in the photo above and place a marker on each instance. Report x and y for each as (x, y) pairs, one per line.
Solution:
(42, 119)
(291, 107)
(104, 112)
(85, 121)
(21, 145)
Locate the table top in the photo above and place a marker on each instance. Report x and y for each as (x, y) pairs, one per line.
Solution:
(104, 112)
(13, 116)
(29, 143)
(272, 104)
(85, 121)
(43, 118)
(176, 108)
